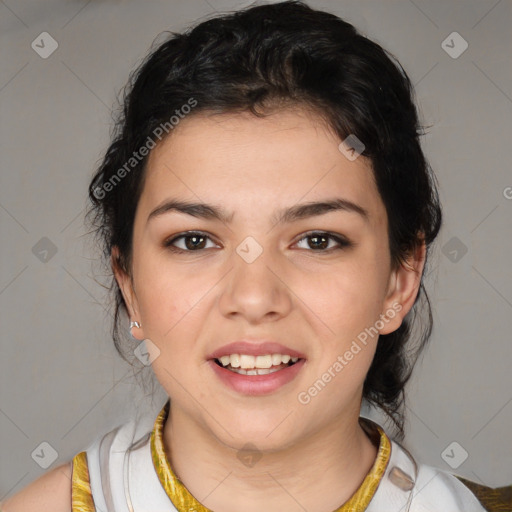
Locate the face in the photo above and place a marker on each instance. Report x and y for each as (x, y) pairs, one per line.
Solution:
(262, 264)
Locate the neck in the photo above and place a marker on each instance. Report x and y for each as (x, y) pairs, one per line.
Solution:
(333, 461)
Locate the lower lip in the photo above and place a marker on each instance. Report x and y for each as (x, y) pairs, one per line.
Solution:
(257, 384)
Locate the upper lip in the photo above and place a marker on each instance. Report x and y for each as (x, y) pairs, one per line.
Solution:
(254, 348)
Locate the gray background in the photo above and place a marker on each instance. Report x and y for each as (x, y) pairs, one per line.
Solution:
(61, 380)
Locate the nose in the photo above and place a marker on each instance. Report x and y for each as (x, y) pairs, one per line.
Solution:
(256, 288)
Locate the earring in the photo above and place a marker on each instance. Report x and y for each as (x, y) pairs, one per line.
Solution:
(133, 324)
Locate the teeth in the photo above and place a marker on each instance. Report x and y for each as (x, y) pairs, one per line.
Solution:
(225, 360)
(245, 361)
(263, 361)
(260, 371)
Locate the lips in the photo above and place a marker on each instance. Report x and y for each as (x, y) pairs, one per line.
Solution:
(263, 373)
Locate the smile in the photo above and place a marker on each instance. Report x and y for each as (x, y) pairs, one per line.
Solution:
(256, 375)
(245, 364)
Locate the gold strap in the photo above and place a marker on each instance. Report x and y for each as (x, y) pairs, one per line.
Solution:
(362, 497)
(183, 500)
(174, 488)
(81, 495)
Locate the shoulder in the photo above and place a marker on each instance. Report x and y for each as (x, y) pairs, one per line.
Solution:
(437, 489)
(51, 491)
(410, 486)
(56, 489)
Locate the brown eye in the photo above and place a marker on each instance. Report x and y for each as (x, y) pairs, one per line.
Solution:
(192, 242)
(319, 241)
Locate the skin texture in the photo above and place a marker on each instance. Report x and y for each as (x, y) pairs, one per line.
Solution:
(52, 491)
(192, 303)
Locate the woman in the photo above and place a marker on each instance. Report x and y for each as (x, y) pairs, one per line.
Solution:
(268, 213)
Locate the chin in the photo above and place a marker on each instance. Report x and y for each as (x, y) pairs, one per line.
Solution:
(270, 435)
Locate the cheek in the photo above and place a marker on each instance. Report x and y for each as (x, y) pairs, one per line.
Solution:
(350, 298)
(171, 309)
(172, 302)
(165, 305)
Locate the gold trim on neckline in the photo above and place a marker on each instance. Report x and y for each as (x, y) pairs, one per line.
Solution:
(183, 500)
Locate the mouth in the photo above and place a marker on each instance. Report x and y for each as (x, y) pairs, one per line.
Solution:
(245, 364)
(256, 375)
(256, 367)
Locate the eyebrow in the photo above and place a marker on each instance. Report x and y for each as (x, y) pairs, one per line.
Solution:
(287, 215)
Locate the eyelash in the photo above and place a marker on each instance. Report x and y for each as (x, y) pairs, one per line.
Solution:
(342, 241)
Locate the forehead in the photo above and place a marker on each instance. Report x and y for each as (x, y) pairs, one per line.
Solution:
(246, 162)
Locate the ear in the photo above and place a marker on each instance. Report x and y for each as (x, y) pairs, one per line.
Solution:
(125, 283)
(403, 288)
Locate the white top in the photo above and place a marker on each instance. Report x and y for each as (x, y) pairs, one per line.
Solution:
(123, 479)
